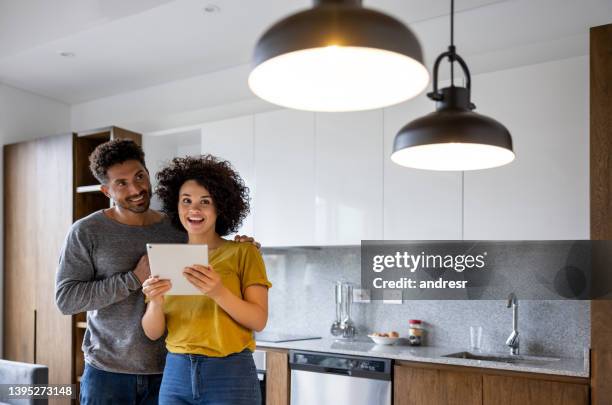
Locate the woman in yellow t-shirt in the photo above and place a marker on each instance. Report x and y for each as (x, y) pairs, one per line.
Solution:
(210, 336)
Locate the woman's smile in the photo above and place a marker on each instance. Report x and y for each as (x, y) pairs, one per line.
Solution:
(195, 221)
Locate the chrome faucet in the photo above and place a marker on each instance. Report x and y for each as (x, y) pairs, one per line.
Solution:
(513, 339)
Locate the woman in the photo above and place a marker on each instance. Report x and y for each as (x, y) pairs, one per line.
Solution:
(210, 337)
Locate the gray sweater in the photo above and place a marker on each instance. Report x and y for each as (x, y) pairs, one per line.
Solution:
(96, 275)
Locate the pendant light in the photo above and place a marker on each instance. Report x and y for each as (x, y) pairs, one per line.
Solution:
(338, 56)
(453, 137)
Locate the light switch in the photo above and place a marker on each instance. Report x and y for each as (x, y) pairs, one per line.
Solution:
(361, 295)
(392, 296)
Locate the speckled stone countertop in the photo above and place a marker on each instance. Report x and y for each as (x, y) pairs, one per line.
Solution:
(556, 366)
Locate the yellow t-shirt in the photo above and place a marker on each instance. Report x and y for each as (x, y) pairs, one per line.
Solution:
(197, 325)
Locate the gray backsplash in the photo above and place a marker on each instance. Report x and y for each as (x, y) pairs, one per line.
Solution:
(302, 302)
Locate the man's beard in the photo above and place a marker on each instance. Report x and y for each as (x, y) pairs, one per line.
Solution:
(138, 209)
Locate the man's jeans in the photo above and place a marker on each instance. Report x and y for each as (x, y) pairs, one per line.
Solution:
(102, 387)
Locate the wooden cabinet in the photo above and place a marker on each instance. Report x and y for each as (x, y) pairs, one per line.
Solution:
(502, 390)
(436, 384)
(432, 384)
(422, 386)
(37, 215)
(47, 186)
(19, 294)
(277, 377)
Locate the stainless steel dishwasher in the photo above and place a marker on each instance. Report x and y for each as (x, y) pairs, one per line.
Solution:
(338, 379)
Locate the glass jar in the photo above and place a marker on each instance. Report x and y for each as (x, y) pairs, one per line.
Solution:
(415, 333)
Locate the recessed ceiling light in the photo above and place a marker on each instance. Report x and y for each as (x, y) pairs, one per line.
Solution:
(66, 54)
(211, 9)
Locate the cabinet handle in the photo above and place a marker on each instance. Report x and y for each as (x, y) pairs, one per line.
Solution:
(35, 331)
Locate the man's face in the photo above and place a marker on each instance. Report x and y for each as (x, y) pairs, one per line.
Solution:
(129, 186)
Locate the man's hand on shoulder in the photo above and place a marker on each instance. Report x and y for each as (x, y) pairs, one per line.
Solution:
(250, 239)
(142, 270)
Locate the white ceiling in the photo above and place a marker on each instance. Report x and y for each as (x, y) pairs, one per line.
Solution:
(125, 45)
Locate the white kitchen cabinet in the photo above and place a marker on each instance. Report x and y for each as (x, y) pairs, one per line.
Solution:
(349, 177)
(161, 149)
(544, 193)
(232, 140)
(285, 169)
(418, 204)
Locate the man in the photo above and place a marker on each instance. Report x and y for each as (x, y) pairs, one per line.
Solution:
(102, 266)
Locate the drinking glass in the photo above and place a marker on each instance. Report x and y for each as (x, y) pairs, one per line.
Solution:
(475, 338)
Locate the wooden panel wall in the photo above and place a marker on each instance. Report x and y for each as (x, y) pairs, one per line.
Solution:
(601, 202)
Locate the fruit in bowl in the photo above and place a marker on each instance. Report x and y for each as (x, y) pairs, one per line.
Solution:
(386, 338)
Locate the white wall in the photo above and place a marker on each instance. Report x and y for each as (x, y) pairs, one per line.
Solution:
(25, 116)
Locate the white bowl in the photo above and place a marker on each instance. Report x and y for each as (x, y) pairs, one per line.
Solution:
(381, 340)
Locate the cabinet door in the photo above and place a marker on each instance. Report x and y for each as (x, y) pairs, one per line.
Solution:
(37, 216)
(349, 177)
(418, 204)
(285, 184)
(499, 390)
(277, 378)
(53, 215)
(232, 140)
(19, 261)
(544, 193)
(422, 386)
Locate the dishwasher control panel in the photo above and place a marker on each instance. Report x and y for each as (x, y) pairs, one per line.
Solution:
(339, 363)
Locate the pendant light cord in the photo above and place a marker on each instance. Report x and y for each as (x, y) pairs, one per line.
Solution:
(451, 48)
(452, 20)
(452, 57)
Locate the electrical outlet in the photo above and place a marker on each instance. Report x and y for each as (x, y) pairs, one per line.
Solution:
(361, 295)
(392, 296)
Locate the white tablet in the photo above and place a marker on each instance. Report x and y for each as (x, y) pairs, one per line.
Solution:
(168, 260)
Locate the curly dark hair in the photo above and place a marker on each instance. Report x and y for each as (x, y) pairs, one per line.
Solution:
(229, 193)
(111, 153)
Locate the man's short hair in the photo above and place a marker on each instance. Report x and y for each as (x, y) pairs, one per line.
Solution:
(111, 153)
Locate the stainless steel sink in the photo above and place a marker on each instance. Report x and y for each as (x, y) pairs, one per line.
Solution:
(500, 358)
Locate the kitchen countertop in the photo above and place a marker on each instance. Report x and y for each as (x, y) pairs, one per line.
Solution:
(564, 366)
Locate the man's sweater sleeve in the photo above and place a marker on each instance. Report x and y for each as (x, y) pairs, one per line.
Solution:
(76, 287)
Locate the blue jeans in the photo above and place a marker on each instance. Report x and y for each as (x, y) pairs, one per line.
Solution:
(197, 379)
(100, 387)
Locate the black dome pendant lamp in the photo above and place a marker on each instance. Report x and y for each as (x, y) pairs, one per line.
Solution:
(338, 56)
(453, 137)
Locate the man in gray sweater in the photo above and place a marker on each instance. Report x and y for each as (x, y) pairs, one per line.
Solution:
(102, 266)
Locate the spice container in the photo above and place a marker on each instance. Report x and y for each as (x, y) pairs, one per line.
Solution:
(415, 333)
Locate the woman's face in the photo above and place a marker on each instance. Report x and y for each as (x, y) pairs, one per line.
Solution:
(196, 208)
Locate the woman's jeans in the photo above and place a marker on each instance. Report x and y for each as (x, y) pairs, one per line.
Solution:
(106, 388)
(198, 379)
